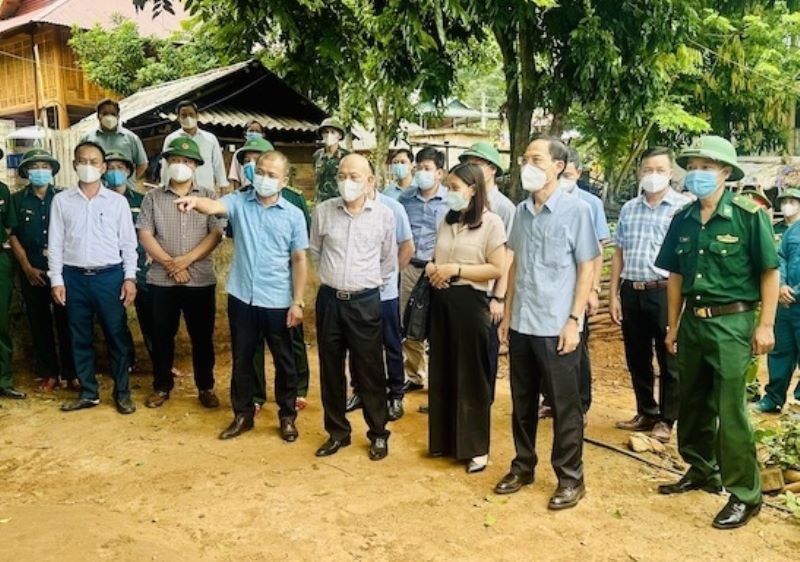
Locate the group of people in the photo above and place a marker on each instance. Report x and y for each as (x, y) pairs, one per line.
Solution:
(695, 280)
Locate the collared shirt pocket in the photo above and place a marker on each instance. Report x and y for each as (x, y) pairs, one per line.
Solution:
(728, 256)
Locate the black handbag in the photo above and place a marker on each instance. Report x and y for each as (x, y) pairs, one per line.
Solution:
(416, 316)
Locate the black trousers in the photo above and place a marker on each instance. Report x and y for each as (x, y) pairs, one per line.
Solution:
(144, 314)
(644, 327)
(249, 326)
(52, 353)
(584, 372)
(535, 364)
(353, 326)
(198, 307)
(392, 349)
(460, 379)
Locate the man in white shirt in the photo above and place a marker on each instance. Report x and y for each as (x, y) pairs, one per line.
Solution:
(92, 268)
(212, 173)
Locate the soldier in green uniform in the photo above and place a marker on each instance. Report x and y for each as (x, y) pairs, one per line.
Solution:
(326, 159)
(8, 221)
(248, 156)
(722, 261)
(119, 169)
(47, 320)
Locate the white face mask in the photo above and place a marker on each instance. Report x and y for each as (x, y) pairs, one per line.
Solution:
(188, 122)
(456, 201)
(265, 186)
(180, 172)
(533, 178)
(109, 121)
(350, 190)
(654, 183)
(790, 208)
(567, 184)
(330, 138)
(87, 173)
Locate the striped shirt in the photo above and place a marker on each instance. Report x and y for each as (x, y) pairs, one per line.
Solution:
(178, 233)
(353, 253)
(640, 232)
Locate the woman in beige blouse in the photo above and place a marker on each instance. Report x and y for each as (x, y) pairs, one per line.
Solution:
(469, 254)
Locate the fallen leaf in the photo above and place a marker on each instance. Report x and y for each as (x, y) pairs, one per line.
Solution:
(490, 520)
(617, 513)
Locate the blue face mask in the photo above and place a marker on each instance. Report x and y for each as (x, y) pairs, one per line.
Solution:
(40, 177)
(424, 179)
(400, 171)
(266, 186)
(115, 178)
(249, 170)
(701, 183)
(253, 135)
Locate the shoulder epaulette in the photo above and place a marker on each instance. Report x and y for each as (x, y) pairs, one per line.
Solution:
(745, 203)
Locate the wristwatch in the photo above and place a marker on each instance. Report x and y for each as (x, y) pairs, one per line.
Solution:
(501, 300)
(573, 317)
(300, 304)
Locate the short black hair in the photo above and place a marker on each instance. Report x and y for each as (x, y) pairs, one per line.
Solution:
(186, 103)
(555, 146)
(430, 153)
(89, 143)
(574, 158)
(107, 101)
(655, 151)
(254, 122)
(394, 153)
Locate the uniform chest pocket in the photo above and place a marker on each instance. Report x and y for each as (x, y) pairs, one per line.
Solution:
(725, 250)
(728, 256)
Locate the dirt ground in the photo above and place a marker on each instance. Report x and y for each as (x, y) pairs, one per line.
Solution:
(159, 485)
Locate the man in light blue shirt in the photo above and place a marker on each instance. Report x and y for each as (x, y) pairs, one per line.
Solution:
(549, 282)
(426, 207)
(265, 287)
(401, 162)
(390, 310)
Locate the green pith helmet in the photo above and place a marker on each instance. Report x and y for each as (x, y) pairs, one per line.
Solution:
(117, 156)
(757, 195)
(792, 192)
(184, 146)
(254, 145)
(484, 151)
(37, 155)
(332, 123)
(713, 148)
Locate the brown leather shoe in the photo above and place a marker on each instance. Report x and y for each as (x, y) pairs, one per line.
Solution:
(208, 399)
(289, 432)
(638, 422)
(662, 431)
(157, 399)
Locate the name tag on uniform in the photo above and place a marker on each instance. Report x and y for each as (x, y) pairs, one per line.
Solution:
(683, 239)
(135, 209)
(727, 238)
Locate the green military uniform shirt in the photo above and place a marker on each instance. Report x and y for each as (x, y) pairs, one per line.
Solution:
(780, 229)
(326, 167)
(721, 262)
(33, 220)
(8, 217)
(135, 202)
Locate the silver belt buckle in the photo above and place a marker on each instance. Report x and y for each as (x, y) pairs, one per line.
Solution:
(343, 295)
(639, 285)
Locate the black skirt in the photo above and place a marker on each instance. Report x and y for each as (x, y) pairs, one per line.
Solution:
(460, 381)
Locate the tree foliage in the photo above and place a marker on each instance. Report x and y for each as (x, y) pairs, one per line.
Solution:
(123, 61)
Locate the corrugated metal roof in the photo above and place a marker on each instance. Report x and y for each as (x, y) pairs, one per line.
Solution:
(229, 116)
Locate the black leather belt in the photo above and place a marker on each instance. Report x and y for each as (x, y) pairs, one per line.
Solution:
(722, 310)
(92, 270)
(646, 285)
(418, 263)
(349, 295)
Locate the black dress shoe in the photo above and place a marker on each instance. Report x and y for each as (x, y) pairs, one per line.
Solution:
(396, 409)
(79, 404)
(125, 406)
(353, 403)
(378, 449)
(686, 484)
(735, 514)
(331, 446)
(289, 432)
(410, 386)
(13, 393)
(239, 425)
(567, 496)
(512, 483)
